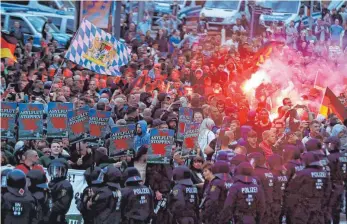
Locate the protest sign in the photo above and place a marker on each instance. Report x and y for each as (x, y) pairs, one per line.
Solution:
(57, 119)
(122, 140)
(160, 148)
(191, 136)
(30, 121)
(8, 119)
(185, 116)
(78, 124)
(98, 126)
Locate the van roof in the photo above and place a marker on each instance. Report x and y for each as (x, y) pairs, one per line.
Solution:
(50, 14)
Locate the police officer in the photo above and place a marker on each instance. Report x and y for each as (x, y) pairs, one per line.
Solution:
(266, 180)
(332, 144)
(61, 191)
(315, 146)
(4, 186)
(17, 205)
(183, 199)
(137, 199)
(216, 192)
(90, 176)
(39, 189)
(245, 202)
(276, 166)
(158, 177)
(292, 162)
(313, 186)
(113, 178)
(102, 200)
(235, 161)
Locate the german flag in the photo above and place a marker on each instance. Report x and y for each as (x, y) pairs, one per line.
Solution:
(331, 104)
(8, 46)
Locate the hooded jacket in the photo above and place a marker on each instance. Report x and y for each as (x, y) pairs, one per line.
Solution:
(337, 129)
(144, 138)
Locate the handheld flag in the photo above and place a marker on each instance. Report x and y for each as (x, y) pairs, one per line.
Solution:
(8, 46)
(331, 104)
(97, 50)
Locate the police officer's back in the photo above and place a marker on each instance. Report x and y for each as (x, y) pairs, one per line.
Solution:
(291, 156)
(216, 192)
(313, 186)
(276, 166)
(61, 191)
(17, 205)
(40, 191)
(113, 178)
(266, 180)
(245, 202)
(183, 200)
(4, 173)
(90, 175)
(336, 164)
(137, 199)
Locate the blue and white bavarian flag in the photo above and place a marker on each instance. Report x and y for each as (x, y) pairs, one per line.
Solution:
(97, 50)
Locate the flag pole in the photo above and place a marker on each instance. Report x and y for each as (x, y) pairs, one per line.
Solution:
(61, 64)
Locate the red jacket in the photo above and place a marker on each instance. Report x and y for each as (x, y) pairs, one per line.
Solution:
(267, 150)
(26, 169)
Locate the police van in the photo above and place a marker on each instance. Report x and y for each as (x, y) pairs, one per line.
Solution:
(31, 26)
(224, 13)
(189, 12)
(283, 12)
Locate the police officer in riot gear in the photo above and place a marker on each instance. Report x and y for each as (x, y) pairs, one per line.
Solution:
(113, 178)
(276, 166)
(336, 159)
(39, 189)
(313, 186)
(137, 199)
(266, 180)
(4, 186)
(18, 205)
(245, 202)
(61, 191)
(183, 199)
(216, 192)
(90, 175)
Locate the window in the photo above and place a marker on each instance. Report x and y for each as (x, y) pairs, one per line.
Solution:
(70, 26)
(316, 6)
(51, 4)
(16, 2)
(200, 3)
(2, 21)
(25, 27)
(55, 20)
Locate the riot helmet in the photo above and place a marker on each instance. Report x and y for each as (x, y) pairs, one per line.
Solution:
(113, 176)
(38, 180)
(132, 175)
(4, 177)
(16, 182)
(221, 170)
(182, 175)
(58, 170)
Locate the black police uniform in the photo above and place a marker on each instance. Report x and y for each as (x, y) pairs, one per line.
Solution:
(137, 199)
(4, 173)
(276, 166)
(17, 205)
(183, 200)
(245, 202)
(158, 178)
(113, 177)
(337, 177)
(216, 193)
(40, 191)
(90, 175)
(267, 181)
(61, 191)
(313, 186)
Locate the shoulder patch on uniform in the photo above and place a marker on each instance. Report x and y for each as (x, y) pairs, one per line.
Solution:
(175, 192)
(63, 192)
(21, 191)
(213, 188)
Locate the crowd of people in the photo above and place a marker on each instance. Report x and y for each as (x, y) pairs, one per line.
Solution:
(246, 167)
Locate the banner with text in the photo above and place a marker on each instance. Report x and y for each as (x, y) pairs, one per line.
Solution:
(78, 123)
(191, 136)
(185, 116)
(160, 148)
(122, 140)
(8, 119)
(57, 119)
(30, 121)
